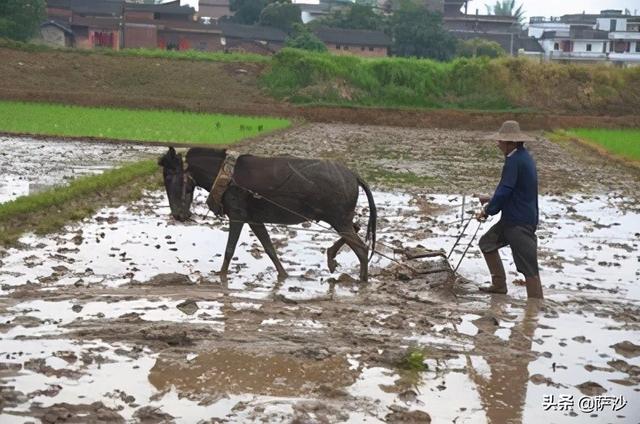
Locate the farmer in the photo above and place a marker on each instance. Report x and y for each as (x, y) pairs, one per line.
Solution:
(517, 198)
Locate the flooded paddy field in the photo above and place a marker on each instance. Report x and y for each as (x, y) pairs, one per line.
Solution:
(122, 318)
(30, 165)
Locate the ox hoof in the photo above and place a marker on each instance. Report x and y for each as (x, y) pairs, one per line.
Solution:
(282, 276)
(223, 276)
(332, 264)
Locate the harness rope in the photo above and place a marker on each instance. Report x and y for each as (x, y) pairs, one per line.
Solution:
(225, 178)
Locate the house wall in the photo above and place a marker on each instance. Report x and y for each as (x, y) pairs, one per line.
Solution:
(140, 36)
(365, 51)
(53, 12)
(173, 18)
(89, 40)
(537, 29)
(214, 9)
(620, 46)
(547, 46)
(596, 46)
(138, 15)
(186, 41)
(604, 24)
(53, 36)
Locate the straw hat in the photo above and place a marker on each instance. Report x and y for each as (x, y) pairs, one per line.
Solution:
(510, 131)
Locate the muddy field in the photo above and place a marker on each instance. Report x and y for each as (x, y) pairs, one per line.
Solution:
(31, 165)
(122, 318)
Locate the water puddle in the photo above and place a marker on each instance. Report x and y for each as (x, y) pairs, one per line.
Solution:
(28, 165)
(125, 308)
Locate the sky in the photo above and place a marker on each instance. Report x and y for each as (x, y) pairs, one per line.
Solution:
(561, 7)
(538, 7)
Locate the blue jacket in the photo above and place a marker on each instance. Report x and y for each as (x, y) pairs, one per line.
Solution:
(517, 194)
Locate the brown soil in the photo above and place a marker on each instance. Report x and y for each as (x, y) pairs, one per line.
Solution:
(439, 159)
(100, 80)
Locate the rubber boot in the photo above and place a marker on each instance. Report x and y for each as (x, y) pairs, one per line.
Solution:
(498, 276)
(534, 287)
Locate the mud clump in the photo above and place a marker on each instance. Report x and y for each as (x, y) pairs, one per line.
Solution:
(167, 334)
(316, 411)
(10, 398)
(151, 415)
(39, 365)
(188, 307)
(96, 412)
(591, 388)
(627, 349)
(173, 279)
(400, 416)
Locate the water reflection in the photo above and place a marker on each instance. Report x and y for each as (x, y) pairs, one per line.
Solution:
(504, 391)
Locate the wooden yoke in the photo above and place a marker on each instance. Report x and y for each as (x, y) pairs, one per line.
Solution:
(221, 183)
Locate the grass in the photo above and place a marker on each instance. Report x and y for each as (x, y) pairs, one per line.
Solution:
(51, 209)
(624, 142)
(152, 53)
(127, 124)
(479, 83)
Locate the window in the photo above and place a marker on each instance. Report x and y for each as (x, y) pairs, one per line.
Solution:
(637, 46)
(556, 46)
(371, 48)
(613, 25)
(337, 46)
(588, 47)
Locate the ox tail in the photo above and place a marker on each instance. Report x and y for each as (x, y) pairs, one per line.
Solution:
(373, 216)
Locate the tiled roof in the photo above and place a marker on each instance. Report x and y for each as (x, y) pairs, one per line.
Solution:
(173, 8)
(97, 7)
(60, 25)
(529, 44)
(59, 4)
(93, 22)
(352, 36)
(251, 32)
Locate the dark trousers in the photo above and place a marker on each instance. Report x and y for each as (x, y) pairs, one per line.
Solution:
(522, 240)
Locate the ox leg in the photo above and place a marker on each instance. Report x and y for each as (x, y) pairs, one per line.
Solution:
(235, 228)
(360, 249)
(335, 248)
(332, 252)
(261, 232)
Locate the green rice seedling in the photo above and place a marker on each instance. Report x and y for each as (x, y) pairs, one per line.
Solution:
(622, 142)
(128, 124)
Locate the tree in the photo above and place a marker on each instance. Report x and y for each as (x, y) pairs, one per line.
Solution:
(418, 32)
(506, 8)
(477, 47)
(302, 38)
(246, 11)
(358, 16)
(20, 19)
(282, 15)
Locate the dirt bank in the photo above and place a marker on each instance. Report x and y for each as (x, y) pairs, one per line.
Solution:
(100, 80)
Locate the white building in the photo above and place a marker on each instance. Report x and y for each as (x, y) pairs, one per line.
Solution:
(624, 36)
(610, 37)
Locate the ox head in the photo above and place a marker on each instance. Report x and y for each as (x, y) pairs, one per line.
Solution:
(179, 184)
